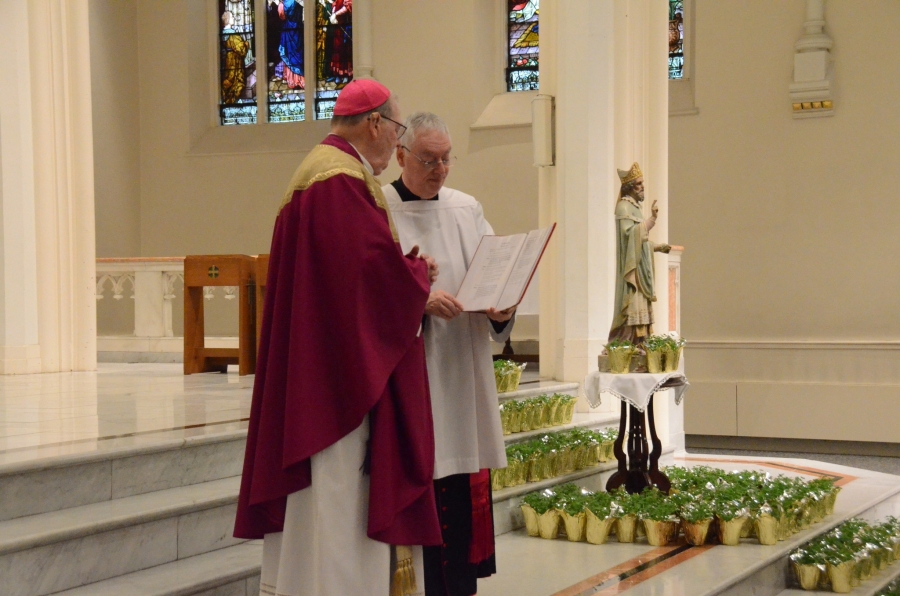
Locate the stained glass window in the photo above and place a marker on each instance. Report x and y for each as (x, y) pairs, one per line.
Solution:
(676, 39)
(334, 53)
(522, 66)
(284, 51)
(237, 62)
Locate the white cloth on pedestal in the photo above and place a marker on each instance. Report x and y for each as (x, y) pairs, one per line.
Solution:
(324, 550)
(467, 432)
(635, 388)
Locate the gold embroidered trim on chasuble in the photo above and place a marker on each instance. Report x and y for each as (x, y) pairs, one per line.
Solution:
(325, 162)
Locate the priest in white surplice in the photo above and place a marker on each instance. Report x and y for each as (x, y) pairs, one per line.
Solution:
(448, 224)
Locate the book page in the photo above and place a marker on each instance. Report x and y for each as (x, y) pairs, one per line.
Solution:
(488, 272)
(524, 267)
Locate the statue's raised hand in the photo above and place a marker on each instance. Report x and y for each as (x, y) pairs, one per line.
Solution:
(654, 210)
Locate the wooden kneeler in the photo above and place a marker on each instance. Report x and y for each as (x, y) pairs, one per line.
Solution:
(219, 270)
(262, 274)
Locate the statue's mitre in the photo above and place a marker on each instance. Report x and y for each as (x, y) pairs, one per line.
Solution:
(633, 174)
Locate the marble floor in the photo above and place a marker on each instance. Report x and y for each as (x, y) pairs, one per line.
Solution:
(121, 405)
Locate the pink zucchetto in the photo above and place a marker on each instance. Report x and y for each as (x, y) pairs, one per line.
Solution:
(360, 96)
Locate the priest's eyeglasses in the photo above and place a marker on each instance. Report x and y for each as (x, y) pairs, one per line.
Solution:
(430, 165)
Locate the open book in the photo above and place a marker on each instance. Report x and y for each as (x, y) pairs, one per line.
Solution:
(501, 270)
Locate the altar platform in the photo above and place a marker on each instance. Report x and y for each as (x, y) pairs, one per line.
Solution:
(124, 482)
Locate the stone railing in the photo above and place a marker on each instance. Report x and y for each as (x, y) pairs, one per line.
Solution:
(155, 285)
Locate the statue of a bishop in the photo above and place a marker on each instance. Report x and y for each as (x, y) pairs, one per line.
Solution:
(633, 314)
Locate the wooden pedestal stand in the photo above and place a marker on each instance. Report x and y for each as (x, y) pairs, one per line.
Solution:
(641, 469)
(219, 270)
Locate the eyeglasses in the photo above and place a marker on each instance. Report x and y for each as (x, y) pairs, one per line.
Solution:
(402, 129)
(430, 165)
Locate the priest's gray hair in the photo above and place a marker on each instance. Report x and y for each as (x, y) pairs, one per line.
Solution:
(420, 121)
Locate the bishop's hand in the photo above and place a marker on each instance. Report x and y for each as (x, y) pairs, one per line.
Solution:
(443, 305)
(654, 210)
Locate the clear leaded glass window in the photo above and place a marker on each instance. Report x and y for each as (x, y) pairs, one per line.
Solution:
(334, 53)
(522, 65)
(237, 63)
(676, 39)
(285, 55)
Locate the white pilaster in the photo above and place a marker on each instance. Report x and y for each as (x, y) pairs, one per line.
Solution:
(19, 349)
(63, 183)
(811, 89)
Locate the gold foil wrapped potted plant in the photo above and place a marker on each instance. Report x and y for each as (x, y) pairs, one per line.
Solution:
(659, 514)
(673, 349)
(507, 375)
(620, 353)
(570, 502)
(498, 479)
(808, 565)
(731, 514)
(656, 347)
(696, 515)
(505, 412)
(600, 520)
(625, 510)
(541, 519)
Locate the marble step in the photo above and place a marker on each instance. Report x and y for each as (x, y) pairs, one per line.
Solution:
(55, 483)
(54, 551)
(232, 571)
(507, 513)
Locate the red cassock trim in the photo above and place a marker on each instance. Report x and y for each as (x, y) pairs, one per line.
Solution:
(339, 341)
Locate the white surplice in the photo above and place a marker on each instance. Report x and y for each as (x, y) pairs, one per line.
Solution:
(467, 432)
(324, 550)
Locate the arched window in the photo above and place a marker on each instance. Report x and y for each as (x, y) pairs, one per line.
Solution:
(283, 46)
(523, 48)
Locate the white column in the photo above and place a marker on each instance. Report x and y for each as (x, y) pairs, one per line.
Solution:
(63, 183)
(19, 349)
(363, 65)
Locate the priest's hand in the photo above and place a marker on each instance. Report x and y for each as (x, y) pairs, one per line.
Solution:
(443, 305)
(500, 316)
(662, 248)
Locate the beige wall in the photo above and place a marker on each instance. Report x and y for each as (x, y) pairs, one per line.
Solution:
(116, 112)
(790, 226)
(206, 189)
(199, 199)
